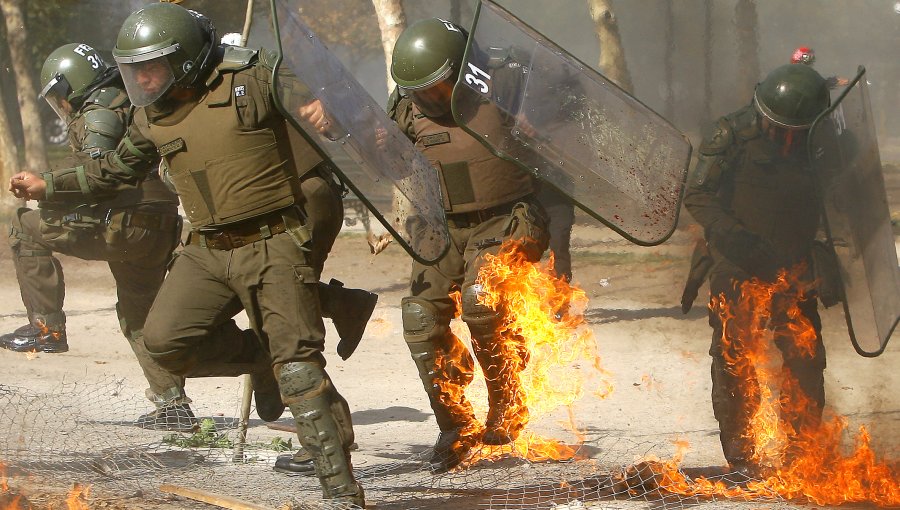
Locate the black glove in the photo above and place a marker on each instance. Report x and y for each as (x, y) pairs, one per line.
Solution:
(750, 252)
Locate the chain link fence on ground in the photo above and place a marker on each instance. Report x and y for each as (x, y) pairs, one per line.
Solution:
(84, 432)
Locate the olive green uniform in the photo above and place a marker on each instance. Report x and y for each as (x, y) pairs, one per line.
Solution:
(236, 169)
(135, 232)
(488, 201)
(759, 211)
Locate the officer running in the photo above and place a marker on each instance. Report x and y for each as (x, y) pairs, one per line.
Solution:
(209, 112)
(134, 231)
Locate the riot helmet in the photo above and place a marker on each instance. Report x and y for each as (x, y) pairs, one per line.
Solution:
(69, 74)
(426, 61)
(803, 55)
(792, 96)
(160, 46)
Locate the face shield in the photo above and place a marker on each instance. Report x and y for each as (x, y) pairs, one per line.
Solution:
(433, 99)
(147, 77)
(56, 92)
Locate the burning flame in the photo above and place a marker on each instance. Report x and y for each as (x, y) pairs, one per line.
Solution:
(10, 500)
(801, 455)
(77, 498)
(542, 345)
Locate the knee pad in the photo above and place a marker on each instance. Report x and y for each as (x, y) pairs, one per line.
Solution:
(482, 320)
(422, 321)
(308, 391)
(300, 380)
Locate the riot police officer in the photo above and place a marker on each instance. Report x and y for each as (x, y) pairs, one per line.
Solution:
(209, 112)
(754, 194)
(135, 231)
(488, 201)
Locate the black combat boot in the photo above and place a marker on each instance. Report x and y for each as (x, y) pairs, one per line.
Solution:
(171, 417)
(451, 448)
(349, 310)
(297, 463)
(269, 406)
(31, 338)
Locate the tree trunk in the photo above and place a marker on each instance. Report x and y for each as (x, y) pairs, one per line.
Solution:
(391, 21)
(9, 155)
(747, 25)
(669, 61)
(35, 154)
(612, 55)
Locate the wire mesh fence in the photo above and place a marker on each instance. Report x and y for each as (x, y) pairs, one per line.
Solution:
(84, 432)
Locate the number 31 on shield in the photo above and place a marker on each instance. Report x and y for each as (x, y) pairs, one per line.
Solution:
(474, 79)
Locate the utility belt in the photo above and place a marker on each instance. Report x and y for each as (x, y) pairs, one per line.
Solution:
(118, 218)
(472, 218)
(234, 235)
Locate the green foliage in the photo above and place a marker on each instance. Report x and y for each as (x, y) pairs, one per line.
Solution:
(207, 437)
(277, 444)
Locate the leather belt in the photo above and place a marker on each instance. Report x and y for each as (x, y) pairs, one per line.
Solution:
(241, 233)
(472, 218)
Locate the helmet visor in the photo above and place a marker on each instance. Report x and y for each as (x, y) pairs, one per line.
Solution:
(147, 80)
(433, 100)
(56, 93)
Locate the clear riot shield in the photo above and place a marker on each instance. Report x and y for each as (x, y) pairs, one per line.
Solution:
(844, 153)
(373, 157)
(614, 157)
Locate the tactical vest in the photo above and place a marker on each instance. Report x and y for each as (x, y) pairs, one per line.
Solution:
(472, 177)
(229, 158)
(775, 197)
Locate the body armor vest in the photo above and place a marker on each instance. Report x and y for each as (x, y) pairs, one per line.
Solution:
(228, 157)
(472, 177)
(775, 197)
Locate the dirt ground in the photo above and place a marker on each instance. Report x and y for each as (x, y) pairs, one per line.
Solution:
(656, 356)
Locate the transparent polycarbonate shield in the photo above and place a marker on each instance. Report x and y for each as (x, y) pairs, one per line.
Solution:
(844, 152)
(531, 102)
(374, 158)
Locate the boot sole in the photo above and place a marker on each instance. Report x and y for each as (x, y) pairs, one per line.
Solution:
(347, 345)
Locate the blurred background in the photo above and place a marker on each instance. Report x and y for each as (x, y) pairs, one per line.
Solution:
(690, 60)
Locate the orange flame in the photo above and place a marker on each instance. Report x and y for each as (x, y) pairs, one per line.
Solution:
(77, 498)
(541, 345)
(802, 455)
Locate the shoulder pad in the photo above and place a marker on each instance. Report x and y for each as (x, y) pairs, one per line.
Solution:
(719, 139)
(268, 58)
(107, 97)
(745, 123)
(237, 58)
(103, 129)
